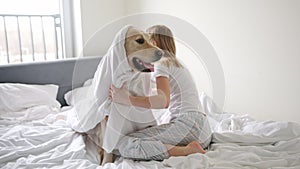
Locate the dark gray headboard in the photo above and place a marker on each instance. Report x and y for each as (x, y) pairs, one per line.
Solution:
(68, 74)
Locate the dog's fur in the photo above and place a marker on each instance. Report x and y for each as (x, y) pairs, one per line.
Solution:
(140, 53)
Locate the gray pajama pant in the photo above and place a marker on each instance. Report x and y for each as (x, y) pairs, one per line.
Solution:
(148, 144)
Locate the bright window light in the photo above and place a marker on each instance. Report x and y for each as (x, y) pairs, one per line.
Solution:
(30, 30)
(32, 7)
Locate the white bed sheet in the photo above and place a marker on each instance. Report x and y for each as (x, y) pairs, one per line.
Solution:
(49, 142)
(238, 142)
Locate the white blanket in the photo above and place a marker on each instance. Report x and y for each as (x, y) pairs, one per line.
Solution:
(239, 142)
(251, 145)
(47, 141)
(113, 69)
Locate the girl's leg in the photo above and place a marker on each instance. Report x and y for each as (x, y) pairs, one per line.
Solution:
(146, 144)
(155, 143)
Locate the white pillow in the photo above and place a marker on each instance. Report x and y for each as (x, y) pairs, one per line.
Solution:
(78, 93)
(17, 97)
(207, 103)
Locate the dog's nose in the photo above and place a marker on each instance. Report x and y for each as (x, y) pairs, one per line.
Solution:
(159, 53)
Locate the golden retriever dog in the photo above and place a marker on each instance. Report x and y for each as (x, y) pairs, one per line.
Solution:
(140, 53)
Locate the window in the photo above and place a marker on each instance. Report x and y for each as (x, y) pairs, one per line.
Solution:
(31, 30)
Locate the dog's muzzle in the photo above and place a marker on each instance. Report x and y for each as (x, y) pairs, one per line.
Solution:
(147, 66)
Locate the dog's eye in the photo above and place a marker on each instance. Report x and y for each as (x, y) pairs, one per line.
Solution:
(140, 41)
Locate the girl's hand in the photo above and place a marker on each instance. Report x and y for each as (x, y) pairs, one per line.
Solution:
(119, 95)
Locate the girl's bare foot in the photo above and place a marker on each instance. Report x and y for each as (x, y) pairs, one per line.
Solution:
(191, 148)
(194, 147)
(60, 117)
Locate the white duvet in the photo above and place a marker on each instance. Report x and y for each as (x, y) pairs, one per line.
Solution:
(238, 142)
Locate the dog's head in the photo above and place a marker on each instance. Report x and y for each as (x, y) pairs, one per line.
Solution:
(140, 52)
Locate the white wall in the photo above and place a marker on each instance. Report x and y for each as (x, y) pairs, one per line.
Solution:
(94, 15)
(258, 44)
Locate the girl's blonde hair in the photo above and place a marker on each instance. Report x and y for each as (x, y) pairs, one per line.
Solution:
(163, 37)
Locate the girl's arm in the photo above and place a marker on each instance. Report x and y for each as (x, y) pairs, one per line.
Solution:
(159, 101)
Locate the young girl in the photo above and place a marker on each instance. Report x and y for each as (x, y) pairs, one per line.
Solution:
(188, 131)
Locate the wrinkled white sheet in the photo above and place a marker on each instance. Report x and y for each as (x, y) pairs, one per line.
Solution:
(239, 142)
(48, 142)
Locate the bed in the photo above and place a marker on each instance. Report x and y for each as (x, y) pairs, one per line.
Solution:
(35, 134)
